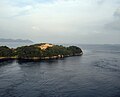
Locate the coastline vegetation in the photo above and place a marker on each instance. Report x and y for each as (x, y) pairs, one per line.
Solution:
(39, 51)
(6, 51)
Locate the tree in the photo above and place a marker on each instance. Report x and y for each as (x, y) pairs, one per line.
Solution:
(6, 52)
(55, 51)
(28, 52)
(74, 50)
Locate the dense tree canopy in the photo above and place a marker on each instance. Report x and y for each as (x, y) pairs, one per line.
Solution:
(56, 50)
(33, 51)
(6, 52)
(28, 52)
(75, 50)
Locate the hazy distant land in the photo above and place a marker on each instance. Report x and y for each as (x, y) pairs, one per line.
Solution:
(15, 40)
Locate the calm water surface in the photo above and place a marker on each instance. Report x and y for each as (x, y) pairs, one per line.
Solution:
(95, 74)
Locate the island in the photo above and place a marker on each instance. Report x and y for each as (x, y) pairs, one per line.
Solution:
(42, 51)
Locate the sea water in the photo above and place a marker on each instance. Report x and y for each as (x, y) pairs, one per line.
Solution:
(95, 74)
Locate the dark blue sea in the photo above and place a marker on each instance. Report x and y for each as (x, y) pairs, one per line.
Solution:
(95, 74)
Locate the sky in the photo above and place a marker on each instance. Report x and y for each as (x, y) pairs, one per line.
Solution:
(61, 21)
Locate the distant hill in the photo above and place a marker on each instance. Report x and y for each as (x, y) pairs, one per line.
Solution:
(15, 40)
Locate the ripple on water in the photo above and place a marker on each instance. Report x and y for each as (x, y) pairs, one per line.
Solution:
(108, 64)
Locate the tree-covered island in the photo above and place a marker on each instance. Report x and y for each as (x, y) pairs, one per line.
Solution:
(39, 51)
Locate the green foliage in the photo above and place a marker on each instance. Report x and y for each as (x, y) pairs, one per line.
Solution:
(28, 52)
(55, 51)
(6, 52)
(34, 51)
(74, 50)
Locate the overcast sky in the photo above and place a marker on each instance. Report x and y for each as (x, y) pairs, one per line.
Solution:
(61, 21)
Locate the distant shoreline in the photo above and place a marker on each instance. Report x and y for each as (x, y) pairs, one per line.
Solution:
(15, 40)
